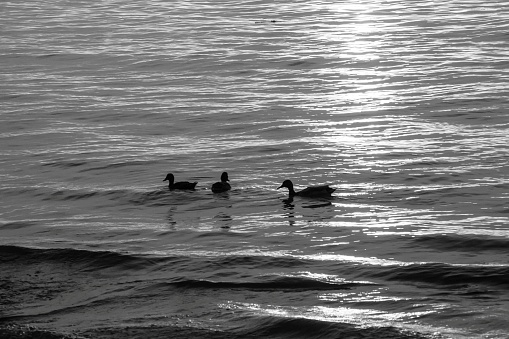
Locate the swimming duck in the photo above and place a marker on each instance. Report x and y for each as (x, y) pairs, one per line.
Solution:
(312, 191)
(223, 185)
(181, 185)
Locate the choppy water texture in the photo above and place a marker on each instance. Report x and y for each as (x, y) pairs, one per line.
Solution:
(400, 105)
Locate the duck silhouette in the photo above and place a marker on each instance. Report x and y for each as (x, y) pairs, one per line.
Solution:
(312, 191)
(223, 185)
(181, 185)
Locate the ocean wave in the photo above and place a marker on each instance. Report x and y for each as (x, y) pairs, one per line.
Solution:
(118, 195)
(87, 260)
(182, 271)
(281, 327)
(274, 283)
(265, 327)
(445, 274)
(14, 331)
(122, 195)
(455, 242)
(194, 271)
(256, 261)
(184, 264)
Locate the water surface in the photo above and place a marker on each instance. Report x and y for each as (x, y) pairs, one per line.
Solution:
(401, 106)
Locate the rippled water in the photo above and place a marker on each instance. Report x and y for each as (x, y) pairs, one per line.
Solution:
(400, 105)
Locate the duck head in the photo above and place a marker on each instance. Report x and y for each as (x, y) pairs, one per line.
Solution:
(288, 184)
(224, 177)
(170, 178)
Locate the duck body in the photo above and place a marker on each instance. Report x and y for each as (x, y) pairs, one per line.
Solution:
(223, 185)
(312, 191)
(181, 185)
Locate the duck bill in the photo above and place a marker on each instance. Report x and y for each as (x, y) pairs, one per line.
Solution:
(280, 187)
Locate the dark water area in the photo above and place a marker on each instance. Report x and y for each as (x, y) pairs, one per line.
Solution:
(400, 106)
(135, 281)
